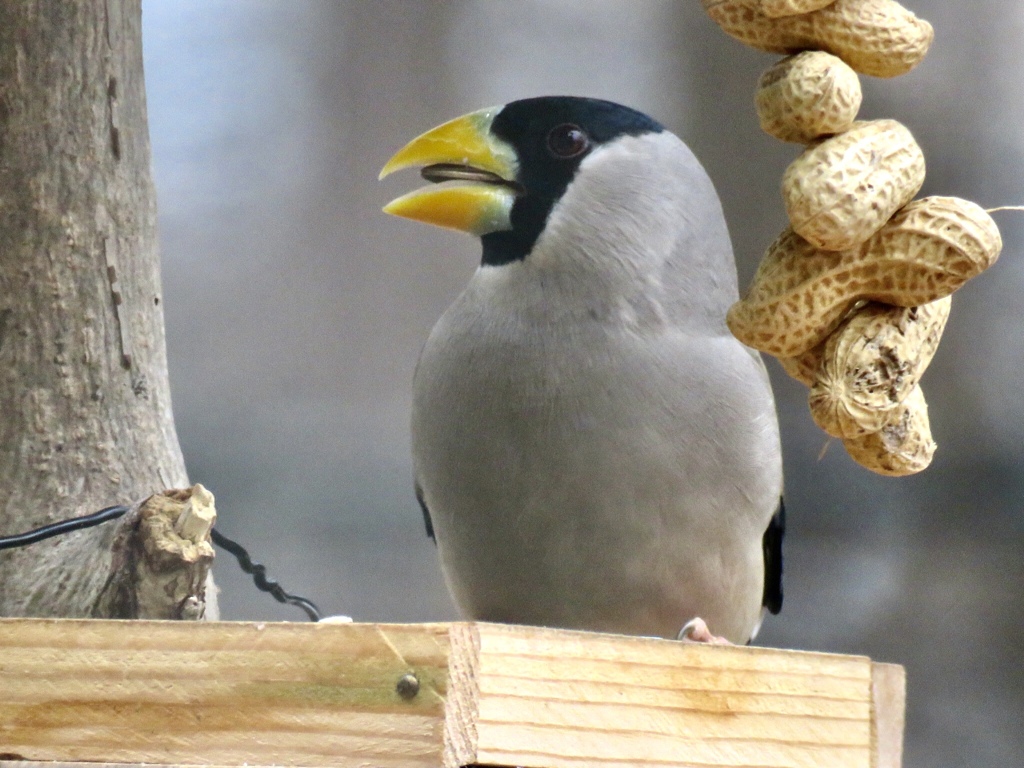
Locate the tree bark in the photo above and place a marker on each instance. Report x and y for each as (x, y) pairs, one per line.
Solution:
(85, 409)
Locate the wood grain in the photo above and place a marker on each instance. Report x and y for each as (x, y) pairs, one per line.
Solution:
(889, 694)
(229, 694)
(549, 698)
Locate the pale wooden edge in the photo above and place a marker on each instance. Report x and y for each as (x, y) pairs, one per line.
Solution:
(889, 700)
(62, 764)
(462, 705)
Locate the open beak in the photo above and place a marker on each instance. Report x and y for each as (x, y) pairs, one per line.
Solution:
(472, 172)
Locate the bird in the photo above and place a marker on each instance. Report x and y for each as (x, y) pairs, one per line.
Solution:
(592, 448)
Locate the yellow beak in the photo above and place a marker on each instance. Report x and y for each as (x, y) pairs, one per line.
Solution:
(478, 171)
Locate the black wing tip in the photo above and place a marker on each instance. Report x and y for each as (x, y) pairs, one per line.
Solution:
(426, 513)
(772, 544)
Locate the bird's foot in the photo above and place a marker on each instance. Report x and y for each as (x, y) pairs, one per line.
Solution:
(696, 631)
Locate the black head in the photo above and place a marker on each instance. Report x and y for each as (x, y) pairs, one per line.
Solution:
(551, 136)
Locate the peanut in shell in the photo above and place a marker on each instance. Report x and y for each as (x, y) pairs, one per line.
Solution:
(842, 190)
(806, 96)
(871, 364)
(800, 293)
(803, 367)
(875, 37)
(901, 448)
(776, 8)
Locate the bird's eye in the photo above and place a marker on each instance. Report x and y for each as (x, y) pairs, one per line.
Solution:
(567, 140)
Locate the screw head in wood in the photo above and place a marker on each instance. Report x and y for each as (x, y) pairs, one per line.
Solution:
(408, 686)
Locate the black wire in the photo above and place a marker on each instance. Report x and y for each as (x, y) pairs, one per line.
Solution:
(259, 576)
(256, 570)
(64, 526)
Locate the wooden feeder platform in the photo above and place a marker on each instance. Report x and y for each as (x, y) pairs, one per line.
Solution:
(405, 695)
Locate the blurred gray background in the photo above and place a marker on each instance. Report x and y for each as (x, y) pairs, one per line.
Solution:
(295, 310)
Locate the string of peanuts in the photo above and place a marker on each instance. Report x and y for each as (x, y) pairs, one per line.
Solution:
(853, 296)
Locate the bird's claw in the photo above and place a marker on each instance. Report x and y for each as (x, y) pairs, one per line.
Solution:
(696, 631)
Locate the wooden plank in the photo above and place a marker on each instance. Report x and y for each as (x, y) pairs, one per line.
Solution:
(889, 694)
(75, 691)
(549, 698)
(227, 692)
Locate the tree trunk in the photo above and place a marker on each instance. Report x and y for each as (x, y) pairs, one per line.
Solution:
(85, 409)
